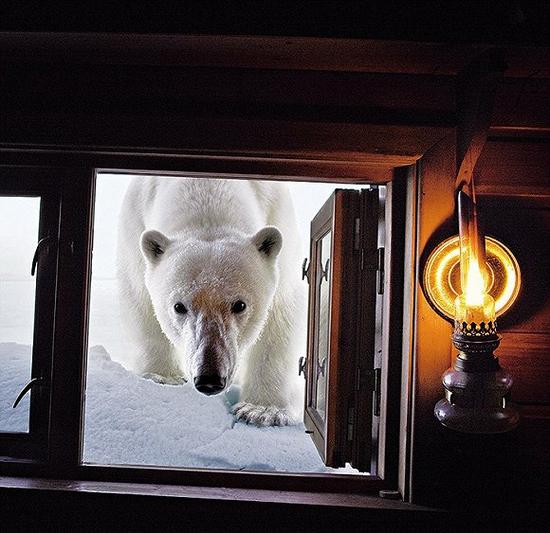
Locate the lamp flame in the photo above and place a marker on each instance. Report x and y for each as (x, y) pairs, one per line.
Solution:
(472, 250)
(475, 288)
(474, 308)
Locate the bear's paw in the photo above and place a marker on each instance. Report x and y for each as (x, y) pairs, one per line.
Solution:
(260, 415)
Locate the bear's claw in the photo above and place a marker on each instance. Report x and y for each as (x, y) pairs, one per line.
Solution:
(260, 415)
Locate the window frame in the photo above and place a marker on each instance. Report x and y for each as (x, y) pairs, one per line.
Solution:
(33, 444)
(78, 170)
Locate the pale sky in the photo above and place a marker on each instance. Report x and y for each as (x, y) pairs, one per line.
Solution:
(19, 236)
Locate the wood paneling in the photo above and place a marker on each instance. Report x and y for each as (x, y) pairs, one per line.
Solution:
(522, 223)
(519, 167)
(295, 53)
(384, 145)
(431, 344)
(527, 357)
(155, 88)
(491, 471)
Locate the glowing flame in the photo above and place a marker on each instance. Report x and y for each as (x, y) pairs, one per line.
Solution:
(474, 291)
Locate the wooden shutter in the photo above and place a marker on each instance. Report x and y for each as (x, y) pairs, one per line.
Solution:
(340, 375)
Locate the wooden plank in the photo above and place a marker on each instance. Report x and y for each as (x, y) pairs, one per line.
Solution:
(159, 89)
(385, 145)
(195, 164)
(523, 225)
(364, 332)
(522, 103)
(432, 335)
(392, 327)
(525, 356)
(510, 163)
(301, 53)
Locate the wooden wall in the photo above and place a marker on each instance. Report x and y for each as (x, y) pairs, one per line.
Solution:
(488, 471)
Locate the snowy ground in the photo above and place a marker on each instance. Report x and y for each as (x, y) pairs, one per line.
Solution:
(130, 420)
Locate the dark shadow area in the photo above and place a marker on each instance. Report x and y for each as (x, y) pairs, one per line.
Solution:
(496, 21)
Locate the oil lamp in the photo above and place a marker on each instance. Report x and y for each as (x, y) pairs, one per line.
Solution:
(477, 389)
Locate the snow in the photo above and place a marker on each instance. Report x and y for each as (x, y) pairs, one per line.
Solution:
(133, 421)
(15, 372)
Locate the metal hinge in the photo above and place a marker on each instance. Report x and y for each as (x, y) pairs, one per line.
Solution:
(351, 419)
(374, 382)
(357, 234)
(380, 271)
(377, 386)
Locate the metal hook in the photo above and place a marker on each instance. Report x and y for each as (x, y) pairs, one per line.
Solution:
(42, 244)
(305, 269)
(324, 271)
(26, 389)
(302, 366)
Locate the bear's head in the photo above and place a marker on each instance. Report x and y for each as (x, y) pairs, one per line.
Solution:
(211, 297)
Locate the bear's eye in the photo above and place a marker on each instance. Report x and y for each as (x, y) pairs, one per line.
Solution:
(180, 308)
(238, 307)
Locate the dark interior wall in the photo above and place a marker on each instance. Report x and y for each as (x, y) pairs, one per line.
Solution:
(518, 21)
(506, 469)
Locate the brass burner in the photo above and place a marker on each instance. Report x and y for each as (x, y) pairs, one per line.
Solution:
(441, 281)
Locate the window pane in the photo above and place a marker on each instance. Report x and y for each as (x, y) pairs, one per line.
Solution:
(19, 221)
(134, 415)
(324, 323)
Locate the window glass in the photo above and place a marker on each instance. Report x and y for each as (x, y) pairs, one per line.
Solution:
(323, 336)
(19, 226)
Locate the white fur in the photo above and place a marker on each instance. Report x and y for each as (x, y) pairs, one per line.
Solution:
(198, 241)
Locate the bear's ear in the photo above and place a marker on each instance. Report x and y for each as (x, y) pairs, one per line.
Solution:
(268, 241)
(153, 244)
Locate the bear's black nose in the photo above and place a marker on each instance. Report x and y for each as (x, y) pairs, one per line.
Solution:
(209, 383)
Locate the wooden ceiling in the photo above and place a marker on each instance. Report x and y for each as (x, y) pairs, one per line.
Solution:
(361, 102)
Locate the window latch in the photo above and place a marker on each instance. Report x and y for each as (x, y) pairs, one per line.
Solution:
(305, 269)
(27, 388)
(41, 247)
(302, 365)
(324, 271)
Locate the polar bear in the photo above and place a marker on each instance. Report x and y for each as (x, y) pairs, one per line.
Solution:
(210, 289)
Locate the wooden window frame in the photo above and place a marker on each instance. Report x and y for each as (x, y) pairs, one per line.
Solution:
(33, 443)
(78, 170)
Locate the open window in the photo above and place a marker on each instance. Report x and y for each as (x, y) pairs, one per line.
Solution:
(84, 395)
(29, 214)
(342, 375)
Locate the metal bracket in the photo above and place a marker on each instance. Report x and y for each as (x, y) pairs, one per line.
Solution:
(351, 423)
(380, 271)
(377, 390)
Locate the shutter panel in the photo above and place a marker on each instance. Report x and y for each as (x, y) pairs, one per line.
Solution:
(341, 327)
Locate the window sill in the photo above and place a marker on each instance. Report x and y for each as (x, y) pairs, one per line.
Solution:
(201, 499)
